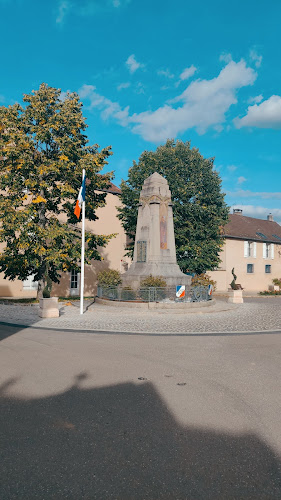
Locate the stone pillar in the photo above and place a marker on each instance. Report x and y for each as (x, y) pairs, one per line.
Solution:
(155, 251)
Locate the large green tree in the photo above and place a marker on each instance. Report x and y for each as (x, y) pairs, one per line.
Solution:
(43, 150)
(199, 208)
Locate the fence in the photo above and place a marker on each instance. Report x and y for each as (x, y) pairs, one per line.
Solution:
(153, 294)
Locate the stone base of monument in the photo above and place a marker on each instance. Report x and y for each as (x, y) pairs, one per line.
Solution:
(48, 308)
(171, 273)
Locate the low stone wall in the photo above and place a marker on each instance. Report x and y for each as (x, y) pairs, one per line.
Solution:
(156, 305)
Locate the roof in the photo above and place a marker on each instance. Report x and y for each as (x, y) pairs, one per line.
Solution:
(248, 228)
(111, 188)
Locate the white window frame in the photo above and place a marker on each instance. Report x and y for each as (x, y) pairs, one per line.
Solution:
(250, 249)
(268, 250)
(29, 284)
(74, 291)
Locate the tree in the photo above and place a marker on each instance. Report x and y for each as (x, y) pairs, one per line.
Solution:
(43, 150)
(198, 203)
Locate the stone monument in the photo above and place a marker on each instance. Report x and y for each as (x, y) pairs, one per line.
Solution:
(155, 251)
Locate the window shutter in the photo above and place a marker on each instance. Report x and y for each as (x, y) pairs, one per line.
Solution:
(272, 250)
(255, 250)
(264, 250)
(245, 248)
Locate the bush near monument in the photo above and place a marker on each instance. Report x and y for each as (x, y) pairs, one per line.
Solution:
(199, 209)
(109, 277)
(43, 149)
(153, 282)
(203, 280)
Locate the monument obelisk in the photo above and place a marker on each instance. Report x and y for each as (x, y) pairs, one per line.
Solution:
(155, 251)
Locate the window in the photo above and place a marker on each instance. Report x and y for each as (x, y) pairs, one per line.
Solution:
(29, 284)
(268, 250)
(268, 269)
(261, 235)
(74, 279)
(250, 249)
(250, 268)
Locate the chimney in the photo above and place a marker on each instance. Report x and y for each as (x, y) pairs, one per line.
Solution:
(238, 211)
(270, 217)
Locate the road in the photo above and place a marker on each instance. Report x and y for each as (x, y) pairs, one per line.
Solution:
(120, 416)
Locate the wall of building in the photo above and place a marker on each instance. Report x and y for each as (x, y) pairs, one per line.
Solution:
(113, 256)
(233, 256)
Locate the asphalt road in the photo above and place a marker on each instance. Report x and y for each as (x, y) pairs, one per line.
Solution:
(112, 416)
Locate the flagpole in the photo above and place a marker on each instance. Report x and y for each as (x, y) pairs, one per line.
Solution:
(82, 254)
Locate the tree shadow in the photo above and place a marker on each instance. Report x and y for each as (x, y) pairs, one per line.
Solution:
(121, 442)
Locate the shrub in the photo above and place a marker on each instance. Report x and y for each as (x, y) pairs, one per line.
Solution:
(109, 277)
(153, 282)
(203, 280)
(277, 281)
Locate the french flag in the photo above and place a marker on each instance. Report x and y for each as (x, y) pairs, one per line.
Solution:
(81, 197)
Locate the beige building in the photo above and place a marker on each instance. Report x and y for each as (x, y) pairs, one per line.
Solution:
(112, 254)
(253, 248)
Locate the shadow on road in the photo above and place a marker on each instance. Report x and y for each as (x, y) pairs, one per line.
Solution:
(122, 442)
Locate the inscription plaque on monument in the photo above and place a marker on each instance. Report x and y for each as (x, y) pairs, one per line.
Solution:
(141, 251)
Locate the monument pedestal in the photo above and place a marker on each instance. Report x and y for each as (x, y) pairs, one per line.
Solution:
(155, 251)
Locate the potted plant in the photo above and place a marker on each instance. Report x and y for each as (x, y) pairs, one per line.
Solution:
(236, 296)
(48, 306)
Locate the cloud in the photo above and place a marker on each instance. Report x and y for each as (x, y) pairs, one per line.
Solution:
(166, 73)
(87, 7)
(225, 57)
(231, 168)
(265, 115)
(124, 85)
(241, 179)
(132, 64)
(241, 193)
(202, 105)
(256, 100)
(257, 59)
(258, 211)
(63, 8)
(188, 72)
(2, 98)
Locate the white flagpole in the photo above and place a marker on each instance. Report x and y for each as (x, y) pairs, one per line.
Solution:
(82, 254)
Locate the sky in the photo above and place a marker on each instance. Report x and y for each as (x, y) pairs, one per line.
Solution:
(149, 70)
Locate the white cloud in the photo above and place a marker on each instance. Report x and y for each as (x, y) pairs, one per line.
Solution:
(259, 212)
(256, 100)
(124, 85)
(2, 98)
(203, 104)
(231, 168)
(188, 72)
(166, 73)
(225, 57)
(132, 64)
(241, 179)
(241, 193)
(255, 57)
(140, 88)
(63, 8)
(265, 115)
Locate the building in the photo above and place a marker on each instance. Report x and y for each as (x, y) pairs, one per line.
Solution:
(112, 254)
(253, 248)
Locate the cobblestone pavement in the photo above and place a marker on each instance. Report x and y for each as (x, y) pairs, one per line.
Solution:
(256, 314)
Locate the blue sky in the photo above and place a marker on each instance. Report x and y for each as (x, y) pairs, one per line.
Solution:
(148, 70)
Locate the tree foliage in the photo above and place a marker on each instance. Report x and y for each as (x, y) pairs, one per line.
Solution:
(199, 208)
(43, 150)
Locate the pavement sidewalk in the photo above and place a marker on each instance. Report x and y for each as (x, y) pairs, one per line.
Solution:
(260, 314)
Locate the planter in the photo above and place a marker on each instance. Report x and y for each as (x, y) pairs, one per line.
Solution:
(48, 308)
(235, 296)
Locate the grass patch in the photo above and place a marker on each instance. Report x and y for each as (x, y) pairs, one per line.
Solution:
(270, 292)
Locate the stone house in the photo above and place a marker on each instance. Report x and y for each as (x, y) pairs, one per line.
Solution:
(253, 248)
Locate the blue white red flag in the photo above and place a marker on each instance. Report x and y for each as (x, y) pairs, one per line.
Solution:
(81, 198)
